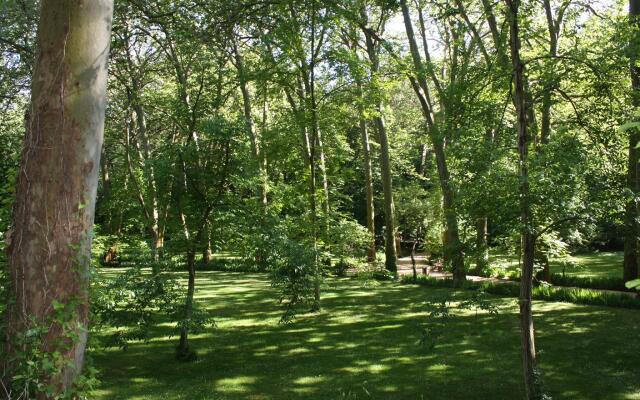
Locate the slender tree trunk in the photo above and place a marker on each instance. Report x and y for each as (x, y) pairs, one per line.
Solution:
(106, 191)
(49, 250)
(368, 179)
(545, 129)
(184, 352)
(206, 253)
(326, 208)
(531, 383)
(251, 126)
(482, 247)
(482, 224)
(391, 251)
(452, 246)
(632, 230)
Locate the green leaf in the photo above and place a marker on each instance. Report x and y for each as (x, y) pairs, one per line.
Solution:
(629, 125)
(634, 284)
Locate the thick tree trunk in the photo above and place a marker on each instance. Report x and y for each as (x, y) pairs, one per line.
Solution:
(531, 383)
(632, 230)
(49, 253)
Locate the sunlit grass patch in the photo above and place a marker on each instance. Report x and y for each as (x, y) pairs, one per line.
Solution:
(363, 346)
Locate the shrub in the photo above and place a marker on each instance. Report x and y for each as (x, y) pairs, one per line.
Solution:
(131, 303)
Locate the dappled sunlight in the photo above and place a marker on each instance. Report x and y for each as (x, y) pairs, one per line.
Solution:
(367, 341)
(235, 384)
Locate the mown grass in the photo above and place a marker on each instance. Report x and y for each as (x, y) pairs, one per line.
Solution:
(363, 345)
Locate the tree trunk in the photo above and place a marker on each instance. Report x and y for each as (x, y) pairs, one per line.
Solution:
(184, 353)
(387, 188)
(49, 253)
(368, 180)
(326, 208)
(251, 126)
(482, 247)
(106, 191)
(632, 230)
(391, 253)
(452, 246)
(545, 129)
(531, 383)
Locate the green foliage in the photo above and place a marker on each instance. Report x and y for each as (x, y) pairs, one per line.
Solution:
(633, 285)
(436, 323)
(30, 363)
(441, 314)
(131, 302)
(348, 241)
(294, 271)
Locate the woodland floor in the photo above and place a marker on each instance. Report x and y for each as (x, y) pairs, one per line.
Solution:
(364, 345)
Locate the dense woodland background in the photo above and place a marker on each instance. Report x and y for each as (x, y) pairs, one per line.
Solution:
(315, 138)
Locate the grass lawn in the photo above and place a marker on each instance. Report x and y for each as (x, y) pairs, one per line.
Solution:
(591, 265)
(363, 345)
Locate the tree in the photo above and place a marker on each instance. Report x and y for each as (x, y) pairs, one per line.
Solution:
(452, 244)
(50, 245)
(632, 230)
(527, 229)
(373, 48)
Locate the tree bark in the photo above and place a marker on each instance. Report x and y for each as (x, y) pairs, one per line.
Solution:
(632, 230)
(452, 246)
(49, 253)
(545, 128)
(391, 251)
(482, 247)
(531, 383)
(368, 178)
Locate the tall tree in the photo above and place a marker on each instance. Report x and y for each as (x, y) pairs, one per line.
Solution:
(56, 189)
(527, 229)
(256, 145)
(373, 49)
(452, 244)
(632, 228)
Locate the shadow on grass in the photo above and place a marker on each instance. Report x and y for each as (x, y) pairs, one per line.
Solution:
(363, 345)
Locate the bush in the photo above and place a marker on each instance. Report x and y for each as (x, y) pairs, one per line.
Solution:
(294, 271)
(131, 303)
